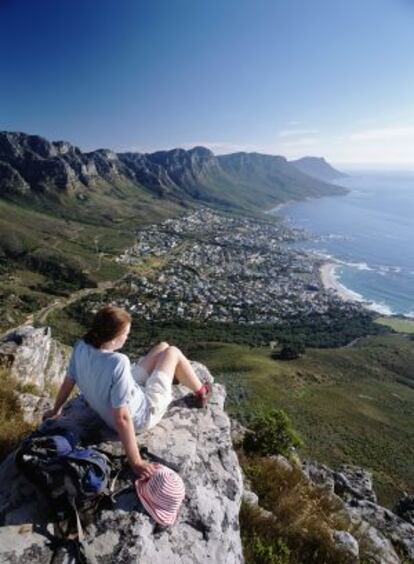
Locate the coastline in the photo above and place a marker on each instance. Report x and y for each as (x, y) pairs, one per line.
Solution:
(330, 277)
(277, 208)
(330, 282)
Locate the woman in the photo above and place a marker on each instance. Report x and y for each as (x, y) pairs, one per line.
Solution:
(128, 400)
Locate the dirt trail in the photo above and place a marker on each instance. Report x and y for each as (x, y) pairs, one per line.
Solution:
(40, 316)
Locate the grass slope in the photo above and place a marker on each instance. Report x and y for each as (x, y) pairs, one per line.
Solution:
(398, 324)
(43, 255)
(351, 404)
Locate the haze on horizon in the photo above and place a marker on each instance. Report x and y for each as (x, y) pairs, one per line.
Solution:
(287, 77)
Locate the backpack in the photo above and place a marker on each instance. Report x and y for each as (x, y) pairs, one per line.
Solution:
(74, 480)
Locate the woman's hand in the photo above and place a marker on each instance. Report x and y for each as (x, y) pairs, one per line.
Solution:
(51, 414)
(143, 469)
(63, 394)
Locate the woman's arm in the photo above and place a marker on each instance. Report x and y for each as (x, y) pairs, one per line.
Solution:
(63, 394)
(125, 428)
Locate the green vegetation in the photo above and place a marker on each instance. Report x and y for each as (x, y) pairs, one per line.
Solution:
(289, 351)
(351, 405)
(12, 425)
(303, 517)
(260, 543)
(398, 324)
(48, 255)
(336, 328)
(272, 433)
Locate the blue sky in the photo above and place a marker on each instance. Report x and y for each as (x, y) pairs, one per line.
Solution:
(332, 78)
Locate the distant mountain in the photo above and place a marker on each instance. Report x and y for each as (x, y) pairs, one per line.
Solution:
(318, 168)
(265, 179)
(52, 174)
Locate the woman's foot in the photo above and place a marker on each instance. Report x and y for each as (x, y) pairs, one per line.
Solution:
(202, 396)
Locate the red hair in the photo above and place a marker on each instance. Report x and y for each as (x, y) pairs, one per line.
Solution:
(108, 323)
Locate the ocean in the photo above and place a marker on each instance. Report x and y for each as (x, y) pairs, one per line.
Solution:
(370, 232)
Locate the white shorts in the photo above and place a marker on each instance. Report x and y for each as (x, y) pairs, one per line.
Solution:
(157, 388)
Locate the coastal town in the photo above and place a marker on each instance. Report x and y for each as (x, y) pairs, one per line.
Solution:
(210, 266)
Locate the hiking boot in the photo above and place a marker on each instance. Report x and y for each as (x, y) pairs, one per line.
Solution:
(200, 398)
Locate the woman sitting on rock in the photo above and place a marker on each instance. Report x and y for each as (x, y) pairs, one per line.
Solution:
(128, 399)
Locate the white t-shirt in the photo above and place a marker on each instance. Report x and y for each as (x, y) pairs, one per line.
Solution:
(105, 379)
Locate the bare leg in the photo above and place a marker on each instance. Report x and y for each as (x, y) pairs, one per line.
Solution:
(150, 359)
(172, 362)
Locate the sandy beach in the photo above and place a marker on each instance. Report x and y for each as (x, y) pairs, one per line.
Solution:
(330, 282)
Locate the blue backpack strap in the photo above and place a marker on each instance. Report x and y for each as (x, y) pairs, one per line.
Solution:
(97, 476)
(92, 456)
(63, 446)
(54, 427)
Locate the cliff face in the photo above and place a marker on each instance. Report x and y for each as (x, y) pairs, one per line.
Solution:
(32, 356)
(378, 530)
(197, 441)
(54, 167)
(318, 168)
(32, 168)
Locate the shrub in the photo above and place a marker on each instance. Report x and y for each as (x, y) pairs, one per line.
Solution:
(303, 517)
(272, 433)
(290, 351)
(12, 425)
(261, 544)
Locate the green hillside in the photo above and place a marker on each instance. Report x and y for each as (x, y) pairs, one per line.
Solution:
(351, 404)
(44, 255)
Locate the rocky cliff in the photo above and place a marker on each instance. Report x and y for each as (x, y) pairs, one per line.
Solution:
(197, 441)
(379, 531)
(34, 169)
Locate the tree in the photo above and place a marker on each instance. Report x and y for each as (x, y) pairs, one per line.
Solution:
(291, 351)
(272, 433)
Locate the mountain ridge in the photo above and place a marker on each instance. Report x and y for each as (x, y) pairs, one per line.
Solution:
(319, 168)
(33, 168)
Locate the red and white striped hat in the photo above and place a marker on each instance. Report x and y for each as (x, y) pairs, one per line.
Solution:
(161, 494)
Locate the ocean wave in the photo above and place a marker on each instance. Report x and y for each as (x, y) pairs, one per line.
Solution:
(395, 269)
(335, 236)
(361, 193)
(379, 268)
(354, 296)
(348, 294)
(383, 270)
(382, 308)
(358, 265)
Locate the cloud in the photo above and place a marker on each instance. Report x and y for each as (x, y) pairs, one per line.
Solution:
(295, 132)
(383, 133)
(300, 142)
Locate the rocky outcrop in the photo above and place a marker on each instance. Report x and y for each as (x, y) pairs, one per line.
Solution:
(55, 167)
(377, 529)
(404, 508)
(197, 441)
(32, 356)
(33, 406)
(349, 482)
